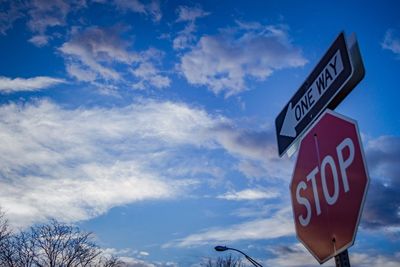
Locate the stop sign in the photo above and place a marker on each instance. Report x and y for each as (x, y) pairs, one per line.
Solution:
(329, 185)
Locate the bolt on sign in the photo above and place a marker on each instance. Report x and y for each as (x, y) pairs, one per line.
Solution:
(329, 185)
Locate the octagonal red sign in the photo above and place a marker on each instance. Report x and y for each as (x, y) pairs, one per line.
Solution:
(329, 185)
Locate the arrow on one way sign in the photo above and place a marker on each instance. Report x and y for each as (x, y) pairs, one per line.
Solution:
(297, 111)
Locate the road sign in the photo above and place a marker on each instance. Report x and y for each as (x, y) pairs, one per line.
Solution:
(329, 185)
(328, 84)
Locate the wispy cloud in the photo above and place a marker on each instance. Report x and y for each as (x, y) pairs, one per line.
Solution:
(44, 14)
(49, 14)
(99, 55)
(11, 11)
(256, 150)
(186, 13)
(223, 62)
(391, 42)
(380, 212)
(186, 38)
(95, 49)
(132, 258)
(277, 225)
(41, 15)
(149, 8)
(12, 85)
(75, 164)
(250, 194)
(253, 144)
(147, 72)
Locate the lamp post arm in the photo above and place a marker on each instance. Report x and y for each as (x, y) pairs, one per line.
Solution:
(250, 259)
(253, 261)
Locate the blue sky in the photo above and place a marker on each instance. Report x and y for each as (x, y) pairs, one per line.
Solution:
(151, 123)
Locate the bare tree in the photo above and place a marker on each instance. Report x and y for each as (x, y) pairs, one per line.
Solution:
(4, 227)
(6, 254)
(51, 245)
(23, 249)
(110, 262)
(227, 261)
(63, 245)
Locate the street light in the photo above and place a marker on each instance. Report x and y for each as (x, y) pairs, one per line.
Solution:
(224, 248)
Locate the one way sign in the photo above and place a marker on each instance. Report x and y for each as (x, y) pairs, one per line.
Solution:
(298, 110)
(321, 88)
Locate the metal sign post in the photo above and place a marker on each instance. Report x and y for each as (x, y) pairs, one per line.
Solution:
(342, 260)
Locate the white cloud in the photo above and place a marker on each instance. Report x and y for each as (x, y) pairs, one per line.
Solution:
(45, 14)
(257, 152)
(391, 41)
(144, 253)
(186, 13)
(252, 169)
(81, 73)
(129, 257)
(151, 8)
(133, 262)
(255, 210)
(76, 164)
(147, 73)
(10, 12)
(252, 144)
(41, 15)
(223, 62)
(11, 85)
(186, 37)
(250, 194)
(272, 167)
(100, 55)
(82, 192)
(278, 225)
(40, 40)
(97, 49)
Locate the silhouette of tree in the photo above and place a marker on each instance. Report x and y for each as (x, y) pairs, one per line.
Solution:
(5, 241)
(62, 245)
(111, 262)
(4, 228)
(22, 250)
(227, 261)
(50, 245)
